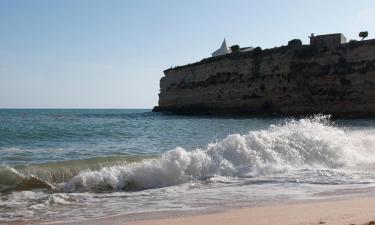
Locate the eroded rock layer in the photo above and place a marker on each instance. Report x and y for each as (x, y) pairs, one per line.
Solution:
(281, 81)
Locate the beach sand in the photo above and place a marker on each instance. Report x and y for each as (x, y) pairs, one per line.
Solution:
(339, 212)
(356, 211)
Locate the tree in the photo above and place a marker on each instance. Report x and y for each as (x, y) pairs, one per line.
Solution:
(363, 34)
(235, 48)
(295, 42)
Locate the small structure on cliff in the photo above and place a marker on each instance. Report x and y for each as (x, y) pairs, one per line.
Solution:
(246, 49)
(330, 41)
(222, 50)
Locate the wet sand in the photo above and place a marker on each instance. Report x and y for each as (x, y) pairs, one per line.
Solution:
(357, 210)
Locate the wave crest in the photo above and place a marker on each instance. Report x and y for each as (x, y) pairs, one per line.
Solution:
(296, 144)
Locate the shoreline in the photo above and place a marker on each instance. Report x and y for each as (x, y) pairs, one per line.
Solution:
(343, 210)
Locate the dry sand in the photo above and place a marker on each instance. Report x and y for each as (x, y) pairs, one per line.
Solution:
(339, 212)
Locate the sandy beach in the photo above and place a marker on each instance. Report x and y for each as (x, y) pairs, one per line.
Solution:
(358, 211)
(340, 212)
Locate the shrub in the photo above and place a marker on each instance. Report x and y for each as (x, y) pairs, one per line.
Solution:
(235, 48)
(257, 50)
(295, 42)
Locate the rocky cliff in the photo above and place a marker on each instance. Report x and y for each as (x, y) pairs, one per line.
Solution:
(294, 80)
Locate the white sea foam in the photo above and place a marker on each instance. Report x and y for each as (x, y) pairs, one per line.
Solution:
(296, 144)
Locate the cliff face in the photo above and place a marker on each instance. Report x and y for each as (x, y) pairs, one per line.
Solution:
(282, 81)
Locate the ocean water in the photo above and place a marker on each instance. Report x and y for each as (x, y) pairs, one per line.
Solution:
(73, 165)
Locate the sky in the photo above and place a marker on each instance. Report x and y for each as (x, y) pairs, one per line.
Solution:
(112, 53)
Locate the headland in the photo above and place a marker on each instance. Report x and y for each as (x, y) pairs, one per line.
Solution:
(328, 76)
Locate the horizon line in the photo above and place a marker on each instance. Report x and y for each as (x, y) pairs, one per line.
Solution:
(1, 108)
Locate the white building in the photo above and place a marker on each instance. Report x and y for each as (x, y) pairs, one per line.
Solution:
(246, 49)
(225, 50)
(222, 50)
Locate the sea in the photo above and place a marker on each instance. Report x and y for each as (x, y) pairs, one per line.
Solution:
(81, 164)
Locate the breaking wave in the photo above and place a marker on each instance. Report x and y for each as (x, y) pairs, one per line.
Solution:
(47, 175)
(310, 143)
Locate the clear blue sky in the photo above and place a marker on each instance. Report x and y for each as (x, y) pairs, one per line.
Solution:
(111, 54)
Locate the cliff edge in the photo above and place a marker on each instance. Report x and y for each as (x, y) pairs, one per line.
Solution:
(289, 80)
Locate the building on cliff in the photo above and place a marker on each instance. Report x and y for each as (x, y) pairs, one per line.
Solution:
(330, 41)
(246, 49)
(222, 50)
(225, 50)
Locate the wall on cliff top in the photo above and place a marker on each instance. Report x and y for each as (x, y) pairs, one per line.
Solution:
(286, 80)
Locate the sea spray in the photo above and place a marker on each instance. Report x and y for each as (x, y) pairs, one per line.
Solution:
(311, 143)
(296, 144)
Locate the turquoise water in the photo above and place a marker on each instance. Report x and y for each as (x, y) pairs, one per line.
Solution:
(77, 164)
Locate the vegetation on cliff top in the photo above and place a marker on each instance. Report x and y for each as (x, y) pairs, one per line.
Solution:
(235, 48)
(363, 34)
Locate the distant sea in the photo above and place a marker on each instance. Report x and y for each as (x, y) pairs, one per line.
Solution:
(79, 164)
